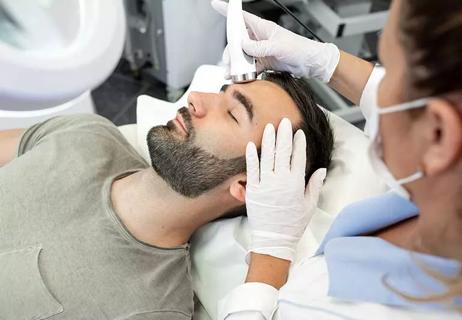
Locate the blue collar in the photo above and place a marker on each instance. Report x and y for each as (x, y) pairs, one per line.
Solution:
(371, 269)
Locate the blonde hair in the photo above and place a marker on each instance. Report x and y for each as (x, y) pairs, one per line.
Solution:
(453, 289)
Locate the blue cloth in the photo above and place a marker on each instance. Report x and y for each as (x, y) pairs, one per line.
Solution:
(369, 268)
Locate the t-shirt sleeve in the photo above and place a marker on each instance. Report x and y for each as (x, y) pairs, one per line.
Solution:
(60, 125)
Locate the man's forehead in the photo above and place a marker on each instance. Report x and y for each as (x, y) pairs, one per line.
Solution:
(271, 101)
(262, 86)
(264, 93)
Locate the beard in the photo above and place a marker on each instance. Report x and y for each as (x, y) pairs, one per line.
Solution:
(185, 167)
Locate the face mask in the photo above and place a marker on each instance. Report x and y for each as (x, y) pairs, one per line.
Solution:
(376, 148)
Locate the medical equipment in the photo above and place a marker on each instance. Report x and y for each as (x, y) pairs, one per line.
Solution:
(168, 40)
(281, 49)
(57, 51)
(52, 52)
(243, 68)
(304, 26)
(351, 25)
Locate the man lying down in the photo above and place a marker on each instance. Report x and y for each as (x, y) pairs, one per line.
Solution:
(89, 230)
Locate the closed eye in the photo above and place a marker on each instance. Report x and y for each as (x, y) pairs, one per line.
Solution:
(232, 116)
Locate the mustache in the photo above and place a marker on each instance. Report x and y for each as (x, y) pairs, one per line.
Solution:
(184, 112)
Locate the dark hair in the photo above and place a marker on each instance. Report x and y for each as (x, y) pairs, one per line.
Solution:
(431, 35)
(315, 122)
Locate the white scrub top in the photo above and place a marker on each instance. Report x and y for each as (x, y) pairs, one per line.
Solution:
(352, 276)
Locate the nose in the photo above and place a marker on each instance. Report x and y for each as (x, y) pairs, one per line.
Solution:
(196, 104)
(200, 103)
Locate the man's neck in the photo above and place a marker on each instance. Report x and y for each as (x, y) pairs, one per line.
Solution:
(156, 214)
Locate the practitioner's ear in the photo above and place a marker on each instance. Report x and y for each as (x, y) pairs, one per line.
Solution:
(444, 137)
(237, 187)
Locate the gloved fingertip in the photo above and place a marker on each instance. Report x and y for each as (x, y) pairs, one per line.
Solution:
(299, 153)
(267, 148)
(315, 184)
(269, 128)
(300, 134)
(250, 147)
(252, 164)
(286, 122)
(321, 176)
(300, 138)
(324, 173)
(285, 134)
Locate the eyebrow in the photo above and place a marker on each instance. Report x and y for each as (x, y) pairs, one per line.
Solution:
(245, 101)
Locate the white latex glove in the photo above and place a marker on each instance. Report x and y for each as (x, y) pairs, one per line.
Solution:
(278, 207)
(277, 48)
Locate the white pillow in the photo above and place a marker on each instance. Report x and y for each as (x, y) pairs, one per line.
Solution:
(218, 249)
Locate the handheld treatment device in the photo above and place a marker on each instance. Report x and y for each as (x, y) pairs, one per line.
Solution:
(243, 67)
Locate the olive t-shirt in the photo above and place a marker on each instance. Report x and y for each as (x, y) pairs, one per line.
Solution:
(64, 253)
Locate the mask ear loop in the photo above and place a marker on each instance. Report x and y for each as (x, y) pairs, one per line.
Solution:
(414, 177)
(405, 106)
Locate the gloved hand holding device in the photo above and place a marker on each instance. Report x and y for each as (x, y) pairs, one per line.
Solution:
(278, 207)
(279, 49)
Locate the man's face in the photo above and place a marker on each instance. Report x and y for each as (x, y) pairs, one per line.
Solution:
(205, 144)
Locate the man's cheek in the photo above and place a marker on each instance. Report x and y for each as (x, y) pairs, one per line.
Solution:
(220, 144)
(208, 141)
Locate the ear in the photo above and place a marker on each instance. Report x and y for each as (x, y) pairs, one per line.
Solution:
(446, 137)
(237, 187)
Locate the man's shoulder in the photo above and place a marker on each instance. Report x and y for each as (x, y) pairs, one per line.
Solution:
(82, 121)
(94, 135)
(90, 118)
(80, 127)
(82, 135)
(69, 123)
